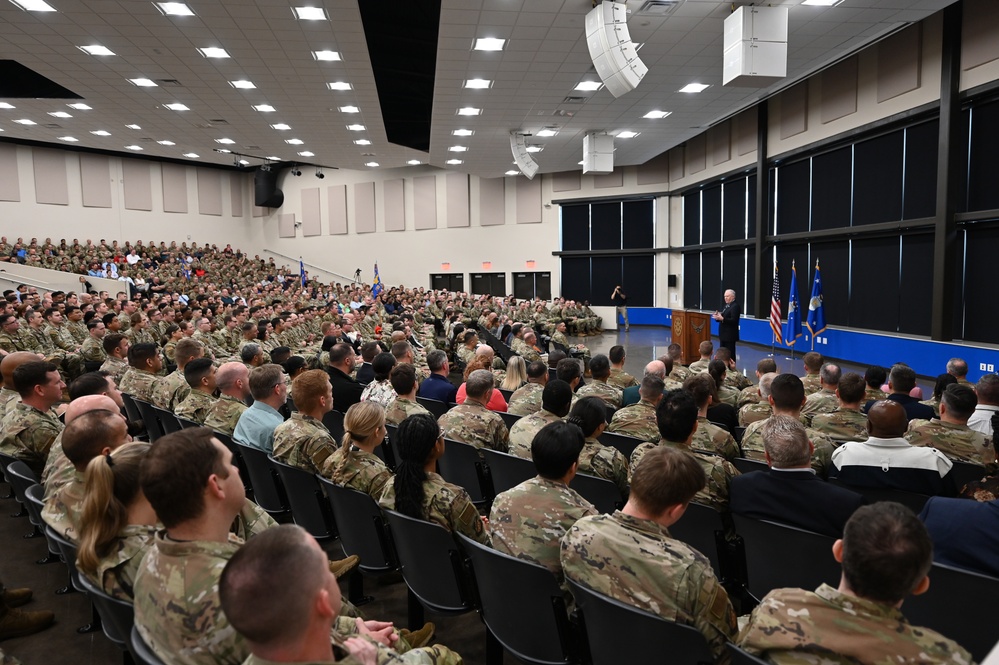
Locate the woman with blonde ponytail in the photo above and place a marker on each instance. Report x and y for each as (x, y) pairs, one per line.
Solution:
(118, 523)
(355, 464)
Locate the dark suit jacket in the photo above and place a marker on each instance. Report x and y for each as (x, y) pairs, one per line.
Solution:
(365, 374)
(346, 391)
(728, 327)
(913, 409)
(439, 388)
(965, 533)
(797, 498)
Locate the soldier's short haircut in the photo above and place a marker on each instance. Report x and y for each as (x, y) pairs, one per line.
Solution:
(403, 378)
(91, 383)
(723, 355)
(958, 367)
(175, 471)
(49, 311)
(875, 376)
(787, 391)
(282, 566)
(830, 374)
(187, 350)
(280, 354)
(766, 365)
(616, 354)
(813, 361)
(555, 357)
(674, 351)
(701, 387)
(556, 397)
(400, 350)
(382, 365)
(676, 415)
(87, 434)
(785, 440)
(705, 348)
(886, 552)
(960, 401)
(139, 354)
(248, 326)
(264, 379)
(852, 388)
(308, 388)
(249, 352)
(588, 414)
(369, 350)
(6, 318)
(436, 360)
(339, 353)
(225, 377)
(902, 378)
(651, 387)
(536, 369)
(31, 374)
(988, 389)
(600, 366)
(196, 370)
(108, 318)
(666, 477)
(568, 369)
(111, 342)
(479, 383)
(93, 322)
(555, 448)
(70, 309)
(135, 318)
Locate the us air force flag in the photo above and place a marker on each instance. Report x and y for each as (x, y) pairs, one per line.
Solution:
(793, 327)
(816, 308)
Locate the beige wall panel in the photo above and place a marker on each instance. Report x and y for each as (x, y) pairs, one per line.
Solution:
(137, 185)
(979, 42)
(50, 176)
(839, 91)
(695, 154)
(744, 130)
(394, 204)
(95, 180)
(676, 164)
(899, 63)
(492, 201)
(312, 217)
(209, 191)
(528, 201)
(425, 202)
(609, 180)
(236, 194)
(10, 187)
(286, 226)
(364, 207)
(259, 212)
(174, 182)
(458, 214)
(655, 171)
(720, 143)
(338, 209)
(794, 110)
(566, 181)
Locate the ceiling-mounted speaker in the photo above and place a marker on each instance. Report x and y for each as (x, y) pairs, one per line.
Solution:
(523, 159)
(598, 152)
(265, 191)
(614, 55)
(755, 47)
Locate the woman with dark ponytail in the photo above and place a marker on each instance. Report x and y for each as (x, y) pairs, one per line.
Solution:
(419, 492)
(590, 415)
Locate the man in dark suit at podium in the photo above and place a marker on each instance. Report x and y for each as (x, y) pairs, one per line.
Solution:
(728, 322)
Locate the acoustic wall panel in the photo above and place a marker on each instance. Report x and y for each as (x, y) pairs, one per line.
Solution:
(50, 176)
(695, 153)
(456, 186)
(794, 110)
(528, 201)
(138, 187)
(565, 181)
(744, 131)
(608, 180)
(10, 188)
(720, 141)
(259, 211)
(839, 91)
(899, 63)
(364, 207)
(676, 164)
(425, 200)
(338, 209)
(978, 42)
(209, 191)
(492, 201)
(655, 171)
(312, 219)
(174, 179)
(236, 194)
(286, 226)
(394, 204)
(95, 180)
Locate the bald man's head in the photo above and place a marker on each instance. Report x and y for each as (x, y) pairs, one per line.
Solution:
(230, 373)
(887, 420)
(11, 362)
(656, 368)
(88, 403)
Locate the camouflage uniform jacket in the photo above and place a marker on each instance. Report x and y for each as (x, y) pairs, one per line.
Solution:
(958, 442)
(798, 627)
(842, 425)
(933, 403)
(224, 414)
(609, 393)
(28, 434)
(177, 608)
(61, 337)
(17, 342)
(679, 373)
(637, 562)
(752, 447)
(529, 520)
(523, 431)
(621, 379)
(171, 390)
(874, 394)
(719, 473)
(116, 572)
(823, 401)
(8, 398)
(92, 351)
(728, 395)
(637, 420)
(402, 408)
(596, 459)
(714, 440)
(750, 395)
(78, 330)
(303, 441)
(812, 383)
(380, 392)
(750, 413)
(196, 406)
(58, 471)
(117, 367)
(475, 425)
(359, 470)
(526, 400)
(447, 505)
(698, 366)
(139, 384)
(64, 508)
(736, 379)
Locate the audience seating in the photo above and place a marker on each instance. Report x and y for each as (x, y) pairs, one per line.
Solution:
(151, 419)
(746, 465)
(68, 551)
(393, 445)
(509, 419)
(117, 616)
(461, 464)
(131, 409)
(188, 424)
(168, 421)
(966, 472)
(434, 406)
(5, 461)
(874, 494)
(701, 527)
(626, 444)
(507, 394)
(143, 653)
(35, 503)
(21, 478)
(506, 470)
(334, 423)
(309, 507)
(237, 459)
(268, 490)
(600, 492)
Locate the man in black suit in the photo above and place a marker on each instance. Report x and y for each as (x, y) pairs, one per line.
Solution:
(346, 391)
(790, 492)
(366, 373)
(728, 322)
(901, 380)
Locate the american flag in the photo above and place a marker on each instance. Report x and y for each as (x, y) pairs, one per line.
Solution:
(775, 309)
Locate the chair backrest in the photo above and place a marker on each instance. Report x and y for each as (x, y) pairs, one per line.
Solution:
(626, 444)
(92, 365)
(150, 419)
(391, 441)
(268, 490)
(780, 556)
(966, 472)
(141, 651)
(168, 421)
(361, 526)
(117, 616)
(507, 394)
(334, 423)
(600, 492)
(434, 406)
(431, 564)
(20, 478)
(521, 604)
(237, 458)
(648, 636)
(35, 502)
(746, 465)
(460, 464)
(309, 507)
(741, 657)
(701, 527)
(385, 452)
(5, 461)
(509, 419)
(67, 549)
(188, 424)
(913, 501)
(130, 407)
(507, 470)
(944, 608)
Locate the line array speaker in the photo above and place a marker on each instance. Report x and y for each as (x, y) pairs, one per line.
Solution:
(614, 55)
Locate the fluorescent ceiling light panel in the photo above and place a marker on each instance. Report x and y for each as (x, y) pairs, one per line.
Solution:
(656, 115)
(143, 83)
(307, 153)
(469, 110)
(371, 164)
(213, 52)
(349, 109)
(356, 128)
(174, 8)
(589, 86)
(512, 173)
(534, 148)
(273, 158)
(457, 148)
(96, 49)
(5, 105)
(69, 139)
(60, 114)
(463, 132)
(244, 162)
(294, 141)
(242, 85)
(101, 132)
(281, 126)
(34, 5)
(694, 87)
(191, 155)
(338, 85)
(546, 133)
(136, 148)
(225, 141)
(133, 127)
(80, 106)
(309, 13)
(25, 121)
(488, 44)
(362, 142)
(414, 162)
(627, 134)
(176, 106)
(264, 108)
(478, 84)
(454, 162)
(166, 143)
(326, 56)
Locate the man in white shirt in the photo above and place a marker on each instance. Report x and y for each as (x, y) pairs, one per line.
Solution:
(988, 404)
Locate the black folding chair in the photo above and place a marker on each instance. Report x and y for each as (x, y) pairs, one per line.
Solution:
(168, 421)
(746, 465)
(150, 418)
(434, 406)
(68, 551)
(966, 472)
(309, 507)
(391, 444)
(21, 478)
(237, 459)
(117, 616)
(334, 423)
(509, 419)
(600, 492)
(507, 471)
(35, 496)
(701, 527)
(913, 501)
(131, 409)
(626, 444)
(268, 490)
(188, 424)
(461, 464)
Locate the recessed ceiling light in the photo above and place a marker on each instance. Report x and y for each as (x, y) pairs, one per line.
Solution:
(244, 162)
(191, 155)
(5, 105)
(69, 139)
(60, 114)
(174, 8)
(281, 126)
(488, 44)
(166, 143)
(362, 142)
(371, 164)
(463, 132)
(309, 13)
(457, 148)
(694, 87)
(25, 121)
(469, 110)
(822, 3)
(356, 128)
(326, 56)
(264, 108)
(136, 148)
(225, 141)
(656, 115)
(101, 132)
(478, 84)
(511, 172)
(34, 5)
(589, 86)
(627, 134)
(79, 106)
(414, 162)
(294, 141)
(96, 49)
(349, 109)
(176, 106)
(534, 148)
(580, 163)
(133, 127)
(338, 85)
(307, 153)
(143, 83)
(454, 162)
(546, 133)
(243, 85)
(213, 52)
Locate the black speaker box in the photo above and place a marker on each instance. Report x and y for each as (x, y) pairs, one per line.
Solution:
(265, 191)
(671, 280)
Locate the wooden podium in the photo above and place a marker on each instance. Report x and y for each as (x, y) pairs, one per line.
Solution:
(690, 328)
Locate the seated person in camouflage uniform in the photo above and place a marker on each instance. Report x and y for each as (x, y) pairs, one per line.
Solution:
(751, 394)
(706, 349)
(303, 441)
(200, 376)
(419, 492)
(618, 377)
(527, 399)
(639, 420)
(943, 380)
(724, 393)
(630, 556)
(886, 555)
(472, 422)
(813, 365)
(354, 464)
(555, 401)
(403, 380)
(30, 426)
(875, 376)
(752, 411)
(824, 400)
(596, 459)
(140, 380)
(529, 520)
(709, 438)
(233, 382)
(846, 423)
(600, 369)
(733, 377)
(93, 349)
(116, 348)
(174, 388)
(950, 433)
